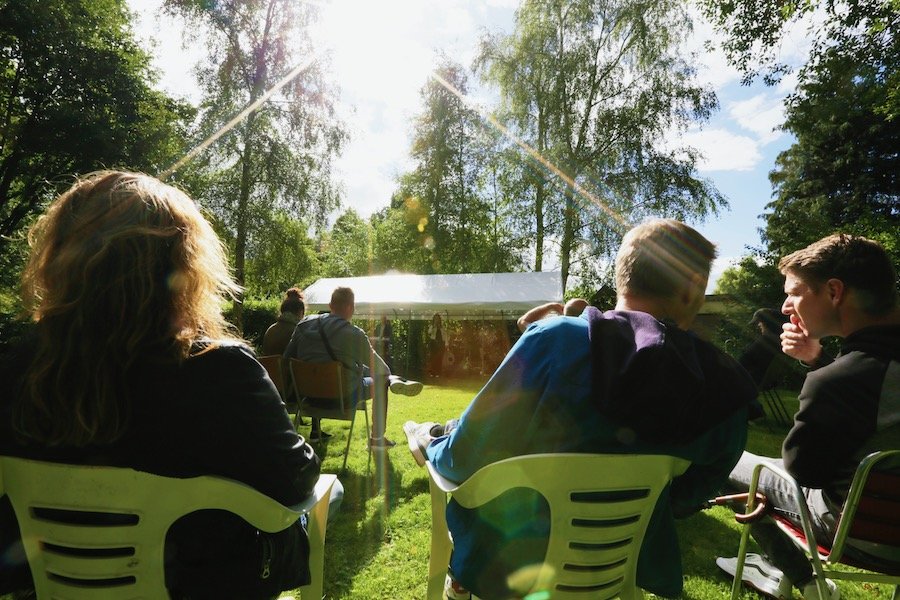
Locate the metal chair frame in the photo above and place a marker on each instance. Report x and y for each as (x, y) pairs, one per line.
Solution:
(823, 563)
(325, 381)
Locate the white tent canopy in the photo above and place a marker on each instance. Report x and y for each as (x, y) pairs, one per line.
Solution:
(465, 296)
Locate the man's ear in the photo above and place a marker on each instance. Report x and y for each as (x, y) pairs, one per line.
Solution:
(696, 285)
(836, 291)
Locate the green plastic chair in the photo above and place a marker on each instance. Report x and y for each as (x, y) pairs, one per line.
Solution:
(600, 505)
(870, 516)
(114, 562)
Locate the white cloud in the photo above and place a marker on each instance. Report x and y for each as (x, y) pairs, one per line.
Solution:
(712, 67)
(761, 114)
(788, 83)
(723, 150)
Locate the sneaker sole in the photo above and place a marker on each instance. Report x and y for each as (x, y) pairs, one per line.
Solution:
(409, 430)
(750, 583)
(407, 388)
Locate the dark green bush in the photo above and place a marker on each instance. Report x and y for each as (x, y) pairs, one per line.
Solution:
(258, 315)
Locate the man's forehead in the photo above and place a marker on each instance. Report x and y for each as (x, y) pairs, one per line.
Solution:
(792, 282)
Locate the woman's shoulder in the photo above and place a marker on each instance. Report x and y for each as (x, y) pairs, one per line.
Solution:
(224, 354)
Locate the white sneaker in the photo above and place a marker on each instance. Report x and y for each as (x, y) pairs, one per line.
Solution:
(811, 592)
(406, 387)
(760, 575)
(418, 436)
(454, 591)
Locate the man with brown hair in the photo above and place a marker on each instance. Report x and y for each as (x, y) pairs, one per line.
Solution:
(323, 338)
(844, 286)
(630, 380)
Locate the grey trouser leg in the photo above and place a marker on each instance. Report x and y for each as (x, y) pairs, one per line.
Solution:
(780, 550)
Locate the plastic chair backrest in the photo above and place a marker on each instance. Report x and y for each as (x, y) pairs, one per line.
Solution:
(97, 533)
(600, 505)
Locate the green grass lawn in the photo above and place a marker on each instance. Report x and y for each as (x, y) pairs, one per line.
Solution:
(377, 548)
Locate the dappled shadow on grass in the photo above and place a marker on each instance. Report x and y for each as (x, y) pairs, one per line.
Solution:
(703, 537)
(362, 527)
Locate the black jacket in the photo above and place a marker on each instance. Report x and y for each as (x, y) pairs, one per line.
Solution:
(848, 408)
(217, 413)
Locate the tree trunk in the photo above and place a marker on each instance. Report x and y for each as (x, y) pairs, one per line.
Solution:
(570, 217)
(539, 225)
(241, 225)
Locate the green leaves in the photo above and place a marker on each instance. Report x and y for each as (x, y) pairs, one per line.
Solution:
(75, 96)
(592, 86)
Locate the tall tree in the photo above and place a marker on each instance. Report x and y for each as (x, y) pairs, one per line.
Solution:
(346, 250)
(452, 149)
(594, 85)
(841, 173)
(282, 256)
(280, 156)
(843, 170)
(75, 96)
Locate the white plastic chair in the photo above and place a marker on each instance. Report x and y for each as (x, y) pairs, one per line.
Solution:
(100, 561)
(584, 491)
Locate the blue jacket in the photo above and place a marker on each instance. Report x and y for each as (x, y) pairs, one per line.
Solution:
(605, 383)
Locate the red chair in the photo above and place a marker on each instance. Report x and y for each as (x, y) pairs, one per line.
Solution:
(868, 532)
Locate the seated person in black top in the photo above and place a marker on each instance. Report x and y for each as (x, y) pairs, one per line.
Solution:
(131, 364)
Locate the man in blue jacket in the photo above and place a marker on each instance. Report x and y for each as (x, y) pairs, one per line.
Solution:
(631, 380)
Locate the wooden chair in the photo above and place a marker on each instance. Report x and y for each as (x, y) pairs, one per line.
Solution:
(320, 392)
(594, 499)
(74, 558)
(870, 516)
(273, 364)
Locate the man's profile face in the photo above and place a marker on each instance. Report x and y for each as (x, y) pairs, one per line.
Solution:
(810, 304)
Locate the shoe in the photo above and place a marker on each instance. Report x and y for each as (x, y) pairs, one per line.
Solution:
(454, 591)
(418, 436)
(760, 575)
(406, 387)
(318, 436)
(381, 443)
(811, 592)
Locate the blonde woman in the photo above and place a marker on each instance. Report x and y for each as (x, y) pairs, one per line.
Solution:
(132, 364)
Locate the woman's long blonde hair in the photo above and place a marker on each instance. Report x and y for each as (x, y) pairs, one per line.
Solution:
(123, 270)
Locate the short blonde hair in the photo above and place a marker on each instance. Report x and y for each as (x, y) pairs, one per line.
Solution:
(659, 257)
(121, 266)
(342, 296)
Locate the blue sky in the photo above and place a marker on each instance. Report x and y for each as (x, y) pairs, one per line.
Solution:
(381, 54)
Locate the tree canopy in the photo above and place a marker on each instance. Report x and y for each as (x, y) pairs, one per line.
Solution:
(76, 95)
(841, 173)
(279, 158)
(592, 86)
(453, 217)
